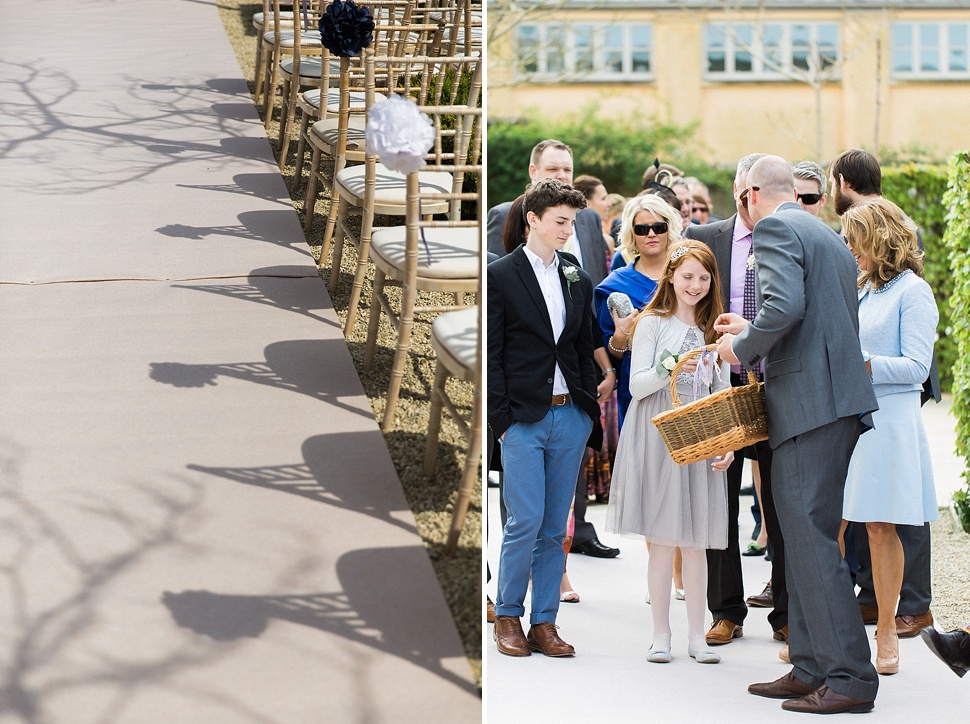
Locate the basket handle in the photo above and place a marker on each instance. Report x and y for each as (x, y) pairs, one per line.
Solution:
(684, 358)
(752, 380)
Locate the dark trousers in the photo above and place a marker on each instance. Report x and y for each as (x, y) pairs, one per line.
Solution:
(917, 591)
(725, 584)
(827, 640)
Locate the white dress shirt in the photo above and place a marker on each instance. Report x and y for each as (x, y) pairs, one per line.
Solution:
(548, 278)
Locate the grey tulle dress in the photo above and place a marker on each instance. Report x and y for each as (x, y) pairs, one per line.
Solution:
(651, 495)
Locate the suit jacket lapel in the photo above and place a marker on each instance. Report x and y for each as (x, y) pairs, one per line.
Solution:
(566, 292)
(528, 277)
(723, 249)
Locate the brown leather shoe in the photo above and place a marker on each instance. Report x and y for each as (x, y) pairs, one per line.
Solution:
(722, 631)
(765, 599)
(489, 610)
(825, 701)
(909, 626)
(787, 687)
(509, 638)
(781, 634)
(544, 639)
(870, 614)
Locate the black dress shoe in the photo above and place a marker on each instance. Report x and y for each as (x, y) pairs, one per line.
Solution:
(594, 548)
(952, 648)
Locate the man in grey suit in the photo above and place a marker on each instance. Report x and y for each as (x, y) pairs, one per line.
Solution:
(554, 159)
(818, 395)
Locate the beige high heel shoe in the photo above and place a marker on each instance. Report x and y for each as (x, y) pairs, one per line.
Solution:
(887, 665)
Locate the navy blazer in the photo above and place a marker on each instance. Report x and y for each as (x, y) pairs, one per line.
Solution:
(522, 352)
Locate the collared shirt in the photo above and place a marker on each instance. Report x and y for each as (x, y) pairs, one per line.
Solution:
(548, 278)
(572, 246)
(740, 248)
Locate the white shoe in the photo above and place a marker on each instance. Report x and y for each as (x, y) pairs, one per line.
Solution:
(679, 594)
(659, 656)
(648, 598)
(704, 657)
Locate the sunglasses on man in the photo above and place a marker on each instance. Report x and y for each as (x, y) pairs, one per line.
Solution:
(643, 229)
(809, 199)
(743, 198)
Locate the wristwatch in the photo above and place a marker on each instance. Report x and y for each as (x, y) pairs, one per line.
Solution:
(608, 370)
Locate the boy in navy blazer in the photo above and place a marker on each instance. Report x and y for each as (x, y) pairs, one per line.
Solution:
(541, 404)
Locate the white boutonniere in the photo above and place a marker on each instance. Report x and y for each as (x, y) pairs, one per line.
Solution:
(750, 261)
(668, 360)
(572, 275)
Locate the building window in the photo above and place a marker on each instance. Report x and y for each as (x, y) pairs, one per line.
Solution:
(930, 51)
(584, 52)
(769, 51)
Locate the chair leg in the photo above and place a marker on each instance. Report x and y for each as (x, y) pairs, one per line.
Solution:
(260, 68)
(270, 101)
(473, 461)
(287, 117)
(309, 204)
(338, 240)
(434, 419)
(404, 325)
(375, 320)
(301, 148)
(363, 256)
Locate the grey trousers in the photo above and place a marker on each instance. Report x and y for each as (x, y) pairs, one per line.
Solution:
(827, 640)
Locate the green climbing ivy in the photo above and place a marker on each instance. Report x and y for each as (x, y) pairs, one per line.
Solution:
(956, 202)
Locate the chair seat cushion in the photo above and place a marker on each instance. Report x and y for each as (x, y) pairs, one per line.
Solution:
(308, 38)
(457, 332)
(286, 20)
(391, 186)
(357, 99)
(309, 66)
(326, 131)
(454, 251)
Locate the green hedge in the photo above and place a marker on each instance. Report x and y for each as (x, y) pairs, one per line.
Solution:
(616, 150)
(956, 201)
(918, 189)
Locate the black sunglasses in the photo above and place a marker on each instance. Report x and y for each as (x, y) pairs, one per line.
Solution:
(701, 209)
(643, 229)
(743, 198)
(810, 199)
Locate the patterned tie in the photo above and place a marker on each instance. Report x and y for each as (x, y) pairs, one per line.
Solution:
(749, 307)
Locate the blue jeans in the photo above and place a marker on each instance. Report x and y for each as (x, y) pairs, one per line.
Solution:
(541, 462)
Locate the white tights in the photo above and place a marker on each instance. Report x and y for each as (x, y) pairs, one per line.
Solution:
(659, 576)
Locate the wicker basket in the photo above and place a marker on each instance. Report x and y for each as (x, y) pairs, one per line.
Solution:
(727, 420)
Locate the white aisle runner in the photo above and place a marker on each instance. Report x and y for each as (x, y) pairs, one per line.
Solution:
(199, 519)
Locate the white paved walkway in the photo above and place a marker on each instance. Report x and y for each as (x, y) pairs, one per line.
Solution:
(610, 679)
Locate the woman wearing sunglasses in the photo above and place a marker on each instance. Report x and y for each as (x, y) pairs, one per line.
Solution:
(649, 225)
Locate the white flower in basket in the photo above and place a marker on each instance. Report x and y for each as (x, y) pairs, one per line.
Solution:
(399, 133)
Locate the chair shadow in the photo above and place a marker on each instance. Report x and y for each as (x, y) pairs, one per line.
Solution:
(380, 605)
(339, 469)
(264, 186)
(264, 225)
(296, 365)
(262, 289)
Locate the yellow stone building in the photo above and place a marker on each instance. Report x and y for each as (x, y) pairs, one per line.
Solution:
(798, 79)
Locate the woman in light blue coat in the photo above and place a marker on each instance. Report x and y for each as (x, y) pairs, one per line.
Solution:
(890, 478)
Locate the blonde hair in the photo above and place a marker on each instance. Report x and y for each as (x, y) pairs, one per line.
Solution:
(664, 301)
(880, 231)
(656, 206)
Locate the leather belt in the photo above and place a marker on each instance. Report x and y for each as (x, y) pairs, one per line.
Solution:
(560, 400)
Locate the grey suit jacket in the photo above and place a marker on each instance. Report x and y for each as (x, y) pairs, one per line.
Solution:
(589, 232)
(807, 326)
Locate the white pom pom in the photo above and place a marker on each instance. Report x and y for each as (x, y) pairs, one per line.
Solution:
(399, 133)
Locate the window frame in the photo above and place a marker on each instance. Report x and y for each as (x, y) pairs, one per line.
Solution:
(943, 48)
(785, 49)
(597, 49)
